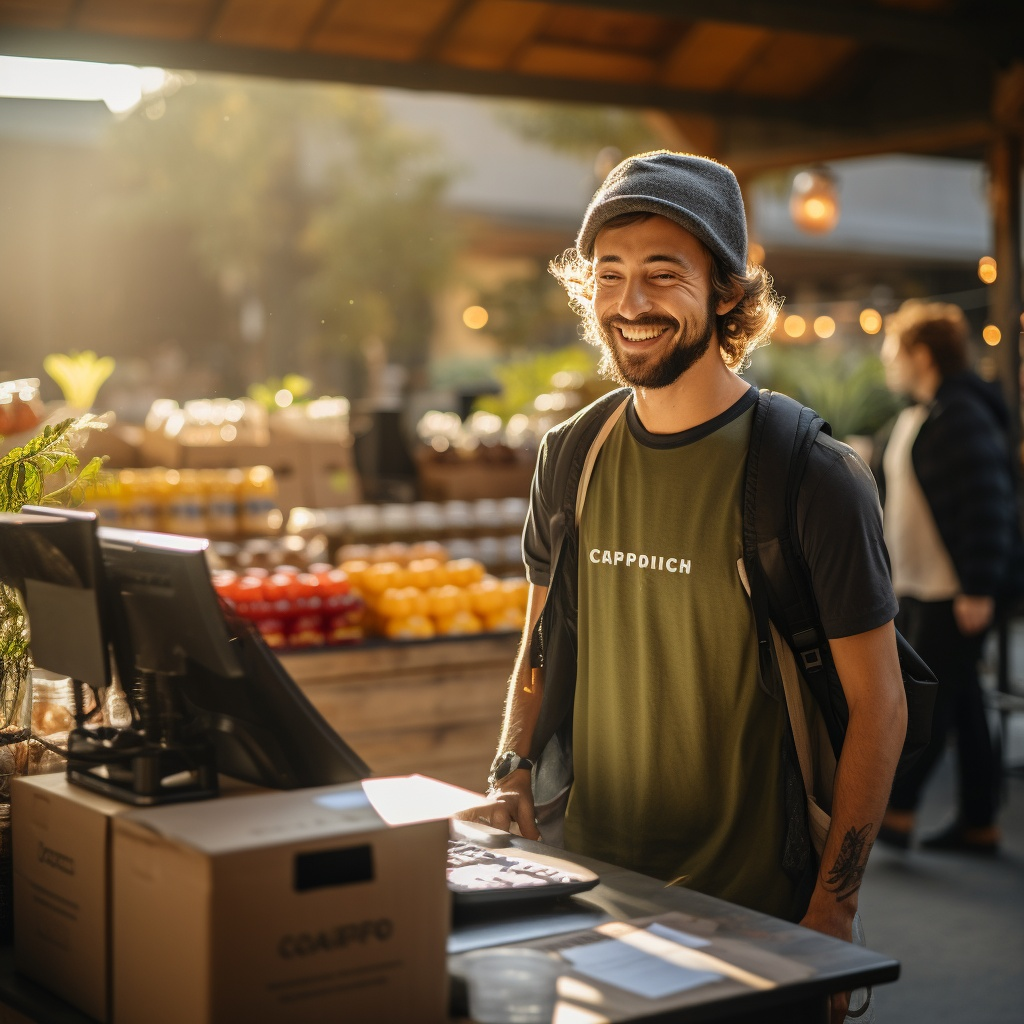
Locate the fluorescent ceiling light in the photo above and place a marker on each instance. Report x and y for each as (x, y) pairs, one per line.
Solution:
(120, 86)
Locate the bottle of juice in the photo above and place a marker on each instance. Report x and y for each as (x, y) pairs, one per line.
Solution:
(259, 512)
(146, 513)
(222, 486)
(186, 511)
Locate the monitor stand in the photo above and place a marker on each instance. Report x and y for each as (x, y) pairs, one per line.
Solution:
(156, 763)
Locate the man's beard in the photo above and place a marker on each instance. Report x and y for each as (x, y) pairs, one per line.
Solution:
(647, 371)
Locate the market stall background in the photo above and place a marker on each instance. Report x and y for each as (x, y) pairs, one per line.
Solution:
(757, 85)
(767, 87)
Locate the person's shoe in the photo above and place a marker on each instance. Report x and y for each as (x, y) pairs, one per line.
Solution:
(896, 829)
(961, 838)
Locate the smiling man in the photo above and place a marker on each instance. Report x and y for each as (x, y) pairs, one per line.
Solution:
(671, 745)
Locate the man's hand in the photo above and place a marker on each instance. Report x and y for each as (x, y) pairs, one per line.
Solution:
(973, 614)
(832, 918)
(511, 800)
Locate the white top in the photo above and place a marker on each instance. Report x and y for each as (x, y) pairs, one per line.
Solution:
(921, 566)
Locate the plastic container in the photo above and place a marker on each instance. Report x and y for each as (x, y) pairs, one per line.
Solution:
(508, 985)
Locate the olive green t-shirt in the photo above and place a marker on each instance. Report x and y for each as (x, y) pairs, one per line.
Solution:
(677, 749)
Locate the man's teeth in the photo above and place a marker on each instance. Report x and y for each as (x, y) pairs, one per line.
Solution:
(640, 333)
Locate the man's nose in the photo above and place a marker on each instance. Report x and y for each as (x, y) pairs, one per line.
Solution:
(635, 299)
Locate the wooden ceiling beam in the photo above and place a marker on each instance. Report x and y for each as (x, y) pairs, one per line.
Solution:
(968, 137)
(198, 55)
(433, 45)
(882, 26)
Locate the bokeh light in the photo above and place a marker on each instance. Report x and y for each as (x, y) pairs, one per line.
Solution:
(870, 321)
(991, 334)
(795, 326)
(475, 317)
(824, 326)
(988, 271)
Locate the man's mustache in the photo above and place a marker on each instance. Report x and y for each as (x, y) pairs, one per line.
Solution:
(642, 321)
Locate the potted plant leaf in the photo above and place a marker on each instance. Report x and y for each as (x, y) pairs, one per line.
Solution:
(42, 471)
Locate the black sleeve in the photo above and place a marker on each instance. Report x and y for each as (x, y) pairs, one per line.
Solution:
(839, 525)
(537, 530)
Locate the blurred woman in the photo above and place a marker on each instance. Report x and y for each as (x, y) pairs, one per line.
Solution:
(948, 488)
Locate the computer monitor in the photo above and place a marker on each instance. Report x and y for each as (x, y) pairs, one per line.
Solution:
(53, 560)
(207, 694)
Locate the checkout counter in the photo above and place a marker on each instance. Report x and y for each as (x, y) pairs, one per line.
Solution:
(771, 971)
(226, 692)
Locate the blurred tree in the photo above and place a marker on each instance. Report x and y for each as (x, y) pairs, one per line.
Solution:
(844, 385)
(603, 133)
(530, 312)
(317, 216)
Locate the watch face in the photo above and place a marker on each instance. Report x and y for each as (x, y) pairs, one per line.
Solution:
(504, 766)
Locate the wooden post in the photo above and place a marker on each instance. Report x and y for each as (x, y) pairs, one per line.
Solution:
(1005, 304)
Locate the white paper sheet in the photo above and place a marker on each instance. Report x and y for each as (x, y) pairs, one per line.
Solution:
(643, 973)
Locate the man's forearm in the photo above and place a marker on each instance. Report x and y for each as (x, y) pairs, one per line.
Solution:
(868, 667)
(862, 786)
(525, 686)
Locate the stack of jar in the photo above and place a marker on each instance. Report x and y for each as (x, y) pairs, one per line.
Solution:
(488, 530)
(294, 609)
(197, 502)
(415, 592)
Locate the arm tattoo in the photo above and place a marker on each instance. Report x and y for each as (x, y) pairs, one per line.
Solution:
(848, 871)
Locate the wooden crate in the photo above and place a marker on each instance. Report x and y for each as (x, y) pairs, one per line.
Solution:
(432, 707)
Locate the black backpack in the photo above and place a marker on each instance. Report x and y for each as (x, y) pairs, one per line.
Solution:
(780, 585)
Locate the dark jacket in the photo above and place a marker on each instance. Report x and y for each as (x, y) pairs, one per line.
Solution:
(962, 460)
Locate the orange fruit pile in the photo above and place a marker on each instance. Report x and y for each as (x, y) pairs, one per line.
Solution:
(429, 597)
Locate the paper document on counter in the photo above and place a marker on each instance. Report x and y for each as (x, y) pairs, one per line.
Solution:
(646, 963)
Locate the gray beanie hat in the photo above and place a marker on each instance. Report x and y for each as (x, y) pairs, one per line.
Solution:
(699, 194)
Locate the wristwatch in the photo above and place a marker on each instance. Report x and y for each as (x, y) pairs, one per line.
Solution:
(505, 764)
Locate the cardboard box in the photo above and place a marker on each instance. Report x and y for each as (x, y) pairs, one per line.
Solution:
(332, 480)
(157, 449)
(61, 838)
(301, 906)
(62, 842)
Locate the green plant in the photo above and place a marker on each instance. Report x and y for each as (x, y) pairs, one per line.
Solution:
(266, 393)
(522, 380)
(43, 471)
(845, 386)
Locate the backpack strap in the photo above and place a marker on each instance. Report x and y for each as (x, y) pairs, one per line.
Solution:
(781, 439)
(595, 447)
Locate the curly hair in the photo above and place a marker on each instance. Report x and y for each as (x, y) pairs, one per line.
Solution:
(940, 326)
(745, 327)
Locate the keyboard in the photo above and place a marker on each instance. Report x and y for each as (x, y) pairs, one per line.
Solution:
(479, 874)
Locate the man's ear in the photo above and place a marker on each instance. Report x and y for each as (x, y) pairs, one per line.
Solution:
(728, 303)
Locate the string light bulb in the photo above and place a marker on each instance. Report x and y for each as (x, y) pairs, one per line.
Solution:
(824, 326)
(988, 271)
(870, 321)
(991, 334)
(794, 326)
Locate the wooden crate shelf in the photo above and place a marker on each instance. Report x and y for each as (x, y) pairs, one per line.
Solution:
(432, 707)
